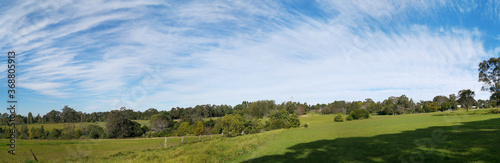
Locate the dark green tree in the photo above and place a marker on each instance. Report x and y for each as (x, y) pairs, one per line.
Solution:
(120, 126)
(294, 121)
(53, 116)
(466, 98)
(69, 115)
(445, 106)
(453, 101)
(30, 118)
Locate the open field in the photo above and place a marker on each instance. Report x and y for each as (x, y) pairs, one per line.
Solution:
(455, 137)
(86, 150)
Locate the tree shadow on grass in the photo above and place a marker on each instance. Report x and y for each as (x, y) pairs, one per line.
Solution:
(471, 141)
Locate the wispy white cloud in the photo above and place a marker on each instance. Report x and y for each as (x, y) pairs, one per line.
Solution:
(228, 51)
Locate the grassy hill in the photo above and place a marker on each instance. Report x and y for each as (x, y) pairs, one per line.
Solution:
(429, 137)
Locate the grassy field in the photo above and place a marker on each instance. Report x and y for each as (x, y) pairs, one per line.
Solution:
(452, 137)
(87, 150)
(417, 137)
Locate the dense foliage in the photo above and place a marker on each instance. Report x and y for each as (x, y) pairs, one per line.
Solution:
(339, 118)
(360, 114)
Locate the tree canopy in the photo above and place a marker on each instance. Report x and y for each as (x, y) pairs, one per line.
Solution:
(466, 98)
(489, 74)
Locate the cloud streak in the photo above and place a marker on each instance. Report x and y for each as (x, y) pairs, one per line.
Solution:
(224, 52)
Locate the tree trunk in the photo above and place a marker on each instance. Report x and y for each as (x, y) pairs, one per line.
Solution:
(165, 146)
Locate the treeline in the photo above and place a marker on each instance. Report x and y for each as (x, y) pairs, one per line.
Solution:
(244, 118)
(399, 105)
(258, 109)
(68, 132)
(119, 125)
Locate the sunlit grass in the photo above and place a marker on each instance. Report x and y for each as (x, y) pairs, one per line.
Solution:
(469, 136)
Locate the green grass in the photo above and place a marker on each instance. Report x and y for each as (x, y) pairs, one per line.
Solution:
(217, 150)
(455, 137)
(386, 139)
(86, 150)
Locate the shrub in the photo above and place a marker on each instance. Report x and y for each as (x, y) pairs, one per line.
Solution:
(294, 121)
(494, 111)
(360, 114)
(349, 118)
(339, 118)
(306, 125)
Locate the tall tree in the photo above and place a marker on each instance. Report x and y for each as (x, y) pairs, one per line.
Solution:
(119, 126)
(53, 116)
(30, 118)
(160, 122)
(38, 119)
(489, 74)
(466, 98)
(453, 101)
(69, 115)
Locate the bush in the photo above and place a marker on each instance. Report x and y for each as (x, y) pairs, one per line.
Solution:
(306, 125)
(294, 121)
(360, 114)
(339, 118)
(349, 118)
(494, 111)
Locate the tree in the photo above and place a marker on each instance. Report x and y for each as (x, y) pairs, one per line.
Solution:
(55, 133)
(198, 128)
(183, 129)
(489, 74)
(119, 126)
(30, 118)
(453, 101)
(231, 125)
(279, 119)
(38, 119)
(32, 133)
(160, 122)
(440, 100)
(53, 116)
(294, 121)
(69, 115)
(41, 134)
(403, 104)
(300, 110)
(445, 106)
(466, 98)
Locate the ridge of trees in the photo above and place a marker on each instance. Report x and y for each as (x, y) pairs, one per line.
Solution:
(258, 109)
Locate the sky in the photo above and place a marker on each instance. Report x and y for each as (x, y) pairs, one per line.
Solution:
(102, 55)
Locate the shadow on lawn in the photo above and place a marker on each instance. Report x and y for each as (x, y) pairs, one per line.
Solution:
(471, 141)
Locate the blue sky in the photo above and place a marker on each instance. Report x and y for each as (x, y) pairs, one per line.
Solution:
(102, 55)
